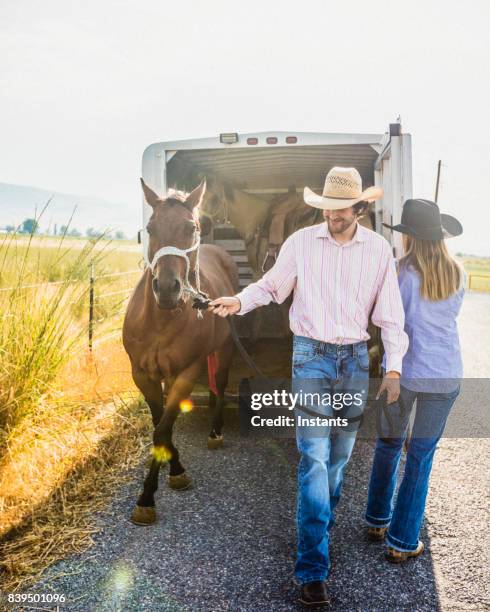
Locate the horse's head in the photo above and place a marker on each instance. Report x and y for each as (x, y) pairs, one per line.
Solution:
(224, 202)
(216, 199)
(173, 223)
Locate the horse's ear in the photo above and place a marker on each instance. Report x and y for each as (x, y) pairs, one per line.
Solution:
(150, 196)
(196, 196)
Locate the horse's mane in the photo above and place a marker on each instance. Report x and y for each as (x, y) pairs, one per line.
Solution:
(176, 196)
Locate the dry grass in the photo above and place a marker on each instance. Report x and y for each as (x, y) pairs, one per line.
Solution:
(39, 329)
(71, 424)
(62, 465)
(98, 377)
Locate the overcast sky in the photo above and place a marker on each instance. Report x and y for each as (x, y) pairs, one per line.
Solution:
(86, 86)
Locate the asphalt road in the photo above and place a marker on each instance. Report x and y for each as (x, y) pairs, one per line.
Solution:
(228, 543)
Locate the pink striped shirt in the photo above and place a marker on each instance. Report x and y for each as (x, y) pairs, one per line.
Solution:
(336, 287)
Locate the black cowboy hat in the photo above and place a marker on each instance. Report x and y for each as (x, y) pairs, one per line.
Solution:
(422, 219)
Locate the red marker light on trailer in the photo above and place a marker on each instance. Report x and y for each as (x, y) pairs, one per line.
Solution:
(291, 139)
(271, 140)
(252, 141)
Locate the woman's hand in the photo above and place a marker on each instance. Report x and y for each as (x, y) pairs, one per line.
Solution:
(225, 306)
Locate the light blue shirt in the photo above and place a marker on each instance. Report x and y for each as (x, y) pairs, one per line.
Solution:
(433, 351)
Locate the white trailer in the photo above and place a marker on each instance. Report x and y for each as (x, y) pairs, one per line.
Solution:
(269, 162)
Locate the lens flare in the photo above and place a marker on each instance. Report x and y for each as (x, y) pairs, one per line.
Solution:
(161, 453)
(186, 405)
(122, 579)
(118, 585)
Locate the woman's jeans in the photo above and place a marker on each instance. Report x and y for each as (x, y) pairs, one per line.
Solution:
(324, 370)
(405, 517)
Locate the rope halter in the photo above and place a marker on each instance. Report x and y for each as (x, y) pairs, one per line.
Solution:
(172, 250)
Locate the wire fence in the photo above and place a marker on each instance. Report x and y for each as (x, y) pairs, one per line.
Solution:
(97, 298)
(39, 285)
(101, 304)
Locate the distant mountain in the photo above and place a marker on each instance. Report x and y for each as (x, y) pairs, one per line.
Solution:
(18, 202)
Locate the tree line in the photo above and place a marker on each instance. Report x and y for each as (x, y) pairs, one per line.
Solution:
(31, 226)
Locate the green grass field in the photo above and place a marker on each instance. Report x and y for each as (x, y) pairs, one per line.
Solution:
(49, 259)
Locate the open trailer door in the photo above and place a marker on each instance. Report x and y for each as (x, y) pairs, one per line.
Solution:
(393, 172)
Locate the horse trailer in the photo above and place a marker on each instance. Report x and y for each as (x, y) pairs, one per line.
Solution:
(266, 164)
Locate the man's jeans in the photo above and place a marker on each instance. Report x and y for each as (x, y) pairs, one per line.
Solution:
(405, 518)
(322, 368)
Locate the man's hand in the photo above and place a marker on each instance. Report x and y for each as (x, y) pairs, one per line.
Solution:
(391, 384)
(225, 306)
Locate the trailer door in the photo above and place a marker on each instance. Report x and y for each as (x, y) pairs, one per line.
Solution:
(393, 172)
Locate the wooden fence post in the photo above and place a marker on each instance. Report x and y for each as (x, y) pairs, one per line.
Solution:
(91, 308)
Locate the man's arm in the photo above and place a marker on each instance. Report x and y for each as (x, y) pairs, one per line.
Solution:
(388, 314)
(275, 285)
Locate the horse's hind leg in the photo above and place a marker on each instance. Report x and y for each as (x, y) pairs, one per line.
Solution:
(224, 356)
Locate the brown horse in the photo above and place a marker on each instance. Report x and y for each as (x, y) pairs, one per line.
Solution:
(165, 338)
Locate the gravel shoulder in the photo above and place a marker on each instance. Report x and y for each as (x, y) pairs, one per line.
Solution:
(229, 542)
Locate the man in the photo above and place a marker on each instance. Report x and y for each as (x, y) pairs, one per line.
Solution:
(340, 272)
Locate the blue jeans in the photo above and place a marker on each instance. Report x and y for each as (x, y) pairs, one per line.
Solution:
(405, 517)
(322, 368)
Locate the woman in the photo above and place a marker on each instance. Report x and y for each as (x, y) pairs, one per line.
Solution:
(432, 288)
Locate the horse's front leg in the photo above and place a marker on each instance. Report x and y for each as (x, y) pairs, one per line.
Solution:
(164, 450)
(144, 512)
(163, 446)
(152, 392)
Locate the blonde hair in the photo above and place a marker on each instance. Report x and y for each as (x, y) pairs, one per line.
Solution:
(440, 275)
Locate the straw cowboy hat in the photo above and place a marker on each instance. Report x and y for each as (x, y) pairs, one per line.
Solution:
(422, 219)
(343, 188)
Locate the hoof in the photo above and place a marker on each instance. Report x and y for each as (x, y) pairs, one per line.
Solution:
(143, 515)
(180, 482)
(214, 443)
